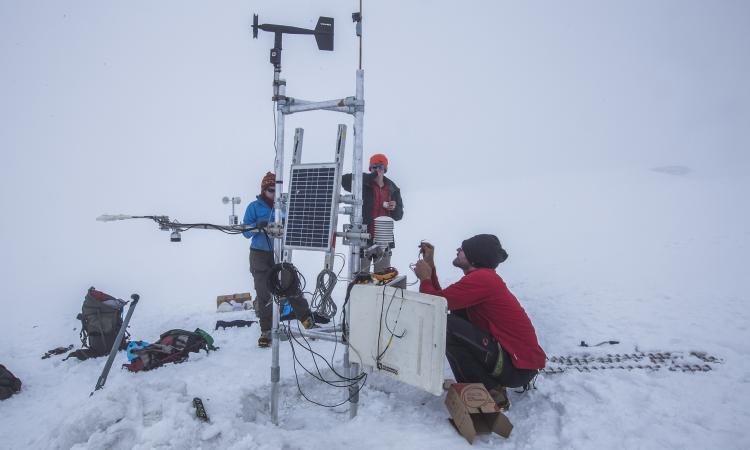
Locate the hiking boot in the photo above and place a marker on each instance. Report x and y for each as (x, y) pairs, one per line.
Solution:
(309, 323)
(264, 340)
(500, 396)
(447, 383)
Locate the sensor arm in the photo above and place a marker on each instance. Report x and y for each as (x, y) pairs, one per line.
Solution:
(166, 224)
(279, 29)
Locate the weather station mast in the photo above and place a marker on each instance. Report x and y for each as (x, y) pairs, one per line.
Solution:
(310, 208)
(299, 231)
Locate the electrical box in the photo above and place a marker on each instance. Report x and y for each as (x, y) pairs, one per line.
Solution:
(400, 333)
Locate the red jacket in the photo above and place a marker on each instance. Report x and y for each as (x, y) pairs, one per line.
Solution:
(491, 307)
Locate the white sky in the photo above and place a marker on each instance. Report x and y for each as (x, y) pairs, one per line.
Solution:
(539, 121)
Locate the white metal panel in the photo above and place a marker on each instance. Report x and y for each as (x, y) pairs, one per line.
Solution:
(380, 314)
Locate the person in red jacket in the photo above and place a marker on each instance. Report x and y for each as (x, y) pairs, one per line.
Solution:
(380, 197)
(489, 337)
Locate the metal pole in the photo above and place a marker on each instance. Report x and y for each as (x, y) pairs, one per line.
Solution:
(354, 259)
(116, 344)
(340, 150)
(299, 135)
(330, 105)
(279, 91)
(357, 168)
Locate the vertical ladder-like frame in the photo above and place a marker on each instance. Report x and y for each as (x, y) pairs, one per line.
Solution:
(354, 233)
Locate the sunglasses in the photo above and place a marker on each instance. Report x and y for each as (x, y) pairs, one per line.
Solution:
(375, 167)
(271, 190)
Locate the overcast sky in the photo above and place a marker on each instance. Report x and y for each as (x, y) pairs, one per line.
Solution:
(164, 107)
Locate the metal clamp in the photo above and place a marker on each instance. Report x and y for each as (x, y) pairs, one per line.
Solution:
(349, 199)
(354, 234)
(275, 230)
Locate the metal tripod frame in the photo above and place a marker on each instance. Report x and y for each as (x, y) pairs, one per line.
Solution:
(354, 234)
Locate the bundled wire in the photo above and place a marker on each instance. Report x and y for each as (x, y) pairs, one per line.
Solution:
(322, 302)
(284, 280)
(208, 226)
(165, 223)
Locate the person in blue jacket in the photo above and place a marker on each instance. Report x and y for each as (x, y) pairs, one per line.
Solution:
(259, 214)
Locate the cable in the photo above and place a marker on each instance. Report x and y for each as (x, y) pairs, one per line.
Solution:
(340, 381)
(413, 265)
(294, 285)
(308, 347)
(348, 399)
(284, 280)
(398, 315)
(321, 299)
(269, 241)
(343, 263)
(207, 226)
(273, 113)
(343, 308)
(166, 224)
(384, 319)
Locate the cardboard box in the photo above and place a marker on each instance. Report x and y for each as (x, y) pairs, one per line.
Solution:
(473, 411)
(236, 298)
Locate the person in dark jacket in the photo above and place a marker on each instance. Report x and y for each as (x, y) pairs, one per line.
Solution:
(380, 197)
(489, 337)
(259, 214)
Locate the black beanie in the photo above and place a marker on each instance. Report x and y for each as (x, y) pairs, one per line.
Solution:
(484, 250)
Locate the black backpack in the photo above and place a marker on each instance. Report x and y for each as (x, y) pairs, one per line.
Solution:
(173, 346)
(9, 384)
(101, 318)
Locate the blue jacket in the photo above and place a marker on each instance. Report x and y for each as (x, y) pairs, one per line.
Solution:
(256, 212)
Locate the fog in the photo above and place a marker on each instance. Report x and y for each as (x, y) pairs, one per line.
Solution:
(541, 122)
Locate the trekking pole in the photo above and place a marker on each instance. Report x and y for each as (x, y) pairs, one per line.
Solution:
(116, 345)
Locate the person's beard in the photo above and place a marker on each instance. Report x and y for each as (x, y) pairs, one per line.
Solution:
(459, 264)
(268, 200)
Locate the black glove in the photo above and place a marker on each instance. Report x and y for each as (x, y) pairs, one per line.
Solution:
(261, 224)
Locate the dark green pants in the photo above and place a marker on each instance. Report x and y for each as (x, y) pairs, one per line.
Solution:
(260, 266)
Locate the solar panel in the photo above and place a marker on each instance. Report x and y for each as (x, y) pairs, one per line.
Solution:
(310, 212)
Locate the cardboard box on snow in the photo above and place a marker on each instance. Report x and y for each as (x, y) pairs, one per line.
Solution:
(236, 298)
(473, 411)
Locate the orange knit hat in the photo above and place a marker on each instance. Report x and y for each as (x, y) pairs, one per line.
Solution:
(378, 158)
(268, 181)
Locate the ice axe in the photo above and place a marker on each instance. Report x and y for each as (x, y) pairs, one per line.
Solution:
(116, 344)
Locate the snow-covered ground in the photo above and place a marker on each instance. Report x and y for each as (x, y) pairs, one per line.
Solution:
(606, 145)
